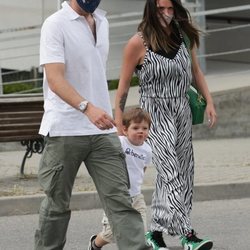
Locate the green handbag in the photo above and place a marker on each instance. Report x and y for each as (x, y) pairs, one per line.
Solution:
(197, 105)
(196, 100)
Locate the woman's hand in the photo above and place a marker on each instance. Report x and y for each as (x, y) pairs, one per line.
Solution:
(119, 127)
(211, 115)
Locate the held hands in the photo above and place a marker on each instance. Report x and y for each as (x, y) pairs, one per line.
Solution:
(211, 115)
(99, 117)
(119, 128)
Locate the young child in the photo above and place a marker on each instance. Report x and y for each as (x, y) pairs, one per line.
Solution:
(136, 124)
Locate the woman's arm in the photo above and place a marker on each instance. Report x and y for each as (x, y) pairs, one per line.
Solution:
(133, 55)
(201, 85)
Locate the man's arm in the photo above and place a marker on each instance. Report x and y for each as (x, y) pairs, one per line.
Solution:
(55, 73)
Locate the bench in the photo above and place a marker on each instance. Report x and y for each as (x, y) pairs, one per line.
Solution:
(20, 118)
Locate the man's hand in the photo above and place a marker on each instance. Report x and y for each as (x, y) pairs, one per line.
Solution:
(99, 117)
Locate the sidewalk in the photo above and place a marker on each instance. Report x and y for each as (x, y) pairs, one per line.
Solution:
(222, 171)
(221, 161)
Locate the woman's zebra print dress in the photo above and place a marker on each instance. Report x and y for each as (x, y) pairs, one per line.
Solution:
(163, 93)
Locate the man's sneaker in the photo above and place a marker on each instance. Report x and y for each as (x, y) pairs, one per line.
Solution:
(92, 238)
(155, 240)
(191, 242)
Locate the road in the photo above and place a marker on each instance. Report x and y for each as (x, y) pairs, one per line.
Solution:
(225, 221)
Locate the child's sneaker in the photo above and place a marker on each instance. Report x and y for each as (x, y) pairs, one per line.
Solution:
(191, 242)
(155, 240)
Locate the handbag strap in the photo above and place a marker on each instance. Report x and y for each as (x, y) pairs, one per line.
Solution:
(187, 43)
(186, 39)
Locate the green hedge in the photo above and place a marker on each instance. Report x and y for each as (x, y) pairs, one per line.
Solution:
(17, 87)
(29, 87)
(113, 84)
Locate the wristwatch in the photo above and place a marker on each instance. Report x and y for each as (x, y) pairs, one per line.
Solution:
(83, 106)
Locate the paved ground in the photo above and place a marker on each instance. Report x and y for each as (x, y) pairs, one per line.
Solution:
(218, 220)
(217, 162)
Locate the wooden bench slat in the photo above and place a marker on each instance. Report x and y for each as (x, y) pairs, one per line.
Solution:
(21, 114)
(18, 109)
(18, 126)
(20, 119)
(19, 138)
(25, 130)
(14, 121)
(15, 136)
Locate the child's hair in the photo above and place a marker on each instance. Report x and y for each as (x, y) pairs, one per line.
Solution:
(136, 115)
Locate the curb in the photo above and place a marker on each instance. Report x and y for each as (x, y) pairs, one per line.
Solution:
(29, 204)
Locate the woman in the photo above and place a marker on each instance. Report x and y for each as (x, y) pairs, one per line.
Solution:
(165, 68)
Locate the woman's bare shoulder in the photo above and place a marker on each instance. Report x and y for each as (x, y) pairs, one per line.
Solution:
(136, 42)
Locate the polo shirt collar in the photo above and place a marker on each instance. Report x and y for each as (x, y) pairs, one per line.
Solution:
(99, 13)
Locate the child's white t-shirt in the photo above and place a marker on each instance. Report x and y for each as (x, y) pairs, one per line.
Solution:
(137, 158)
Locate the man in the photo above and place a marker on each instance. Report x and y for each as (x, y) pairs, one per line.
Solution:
(78, 126)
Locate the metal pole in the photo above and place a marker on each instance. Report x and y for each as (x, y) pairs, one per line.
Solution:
(42, 11)
(59, 4)
(1, 81)
(202, 24)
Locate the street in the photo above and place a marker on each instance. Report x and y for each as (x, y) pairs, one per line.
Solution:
(224, 221)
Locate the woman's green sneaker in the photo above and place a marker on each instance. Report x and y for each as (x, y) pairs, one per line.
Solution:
(155, 240)
(191, 242)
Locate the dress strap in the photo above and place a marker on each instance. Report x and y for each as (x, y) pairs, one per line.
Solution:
(144, 43)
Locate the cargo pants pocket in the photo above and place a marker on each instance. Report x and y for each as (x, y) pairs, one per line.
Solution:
(48, 174)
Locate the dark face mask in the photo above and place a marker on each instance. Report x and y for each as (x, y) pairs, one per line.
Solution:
(88, 5)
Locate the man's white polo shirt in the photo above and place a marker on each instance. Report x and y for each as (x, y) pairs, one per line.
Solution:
(66, 38)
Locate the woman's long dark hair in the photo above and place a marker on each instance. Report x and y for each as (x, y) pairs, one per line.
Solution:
(156, 35)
